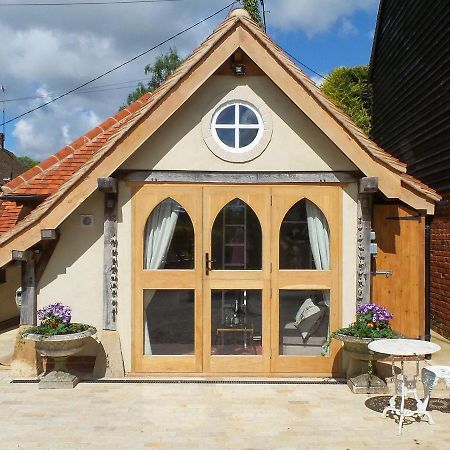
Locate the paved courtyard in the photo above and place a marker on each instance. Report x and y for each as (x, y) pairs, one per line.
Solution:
(208, 416)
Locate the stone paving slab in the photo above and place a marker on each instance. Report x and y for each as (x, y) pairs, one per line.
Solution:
(207, 416)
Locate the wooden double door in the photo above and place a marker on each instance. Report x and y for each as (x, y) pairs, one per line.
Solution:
(235, 279)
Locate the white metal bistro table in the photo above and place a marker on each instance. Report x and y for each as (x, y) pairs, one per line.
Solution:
(405, 385)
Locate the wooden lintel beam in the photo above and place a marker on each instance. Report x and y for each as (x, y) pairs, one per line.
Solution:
(368, 185)
(22, 255)
(49, 234)
(162, 176)
(108, 185)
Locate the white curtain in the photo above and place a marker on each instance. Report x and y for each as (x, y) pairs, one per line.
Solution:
(319, 239)
(157, 238)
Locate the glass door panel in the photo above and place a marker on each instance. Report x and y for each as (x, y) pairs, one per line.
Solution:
(236, 279)
(236, 322)
(305, 279)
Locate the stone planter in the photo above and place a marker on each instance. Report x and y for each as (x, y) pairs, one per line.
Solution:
(60, 347)
(357, 371)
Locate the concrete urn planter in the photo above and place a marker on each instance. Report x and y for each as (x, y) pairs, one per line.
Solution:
(59, 347)
(359, 379)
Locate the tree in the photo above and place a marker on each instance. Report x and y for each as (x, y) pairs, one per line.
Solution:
(162, 67)
(349, 88)
(28, 162)
(252, 6)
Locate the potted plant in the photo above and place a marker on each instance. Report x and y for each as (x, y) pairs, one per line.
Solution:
(58, 338)
(372, 322)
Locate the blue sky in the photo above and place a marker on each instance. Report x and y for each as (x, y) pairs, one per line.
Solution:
(340, 46)
(51, 50)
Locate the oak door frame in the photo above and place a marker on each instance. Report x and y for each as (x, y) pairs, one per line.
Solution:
(145, 199)
(329, 200)
(257, 197)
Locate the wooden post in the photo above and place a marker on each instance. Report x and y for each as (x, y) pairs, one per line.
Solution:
(110, 262)
(367, 187)
(28, 309)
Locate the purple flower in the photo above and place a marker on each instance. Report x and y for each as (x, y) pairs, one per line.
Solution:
(373, 313)
(56, 312)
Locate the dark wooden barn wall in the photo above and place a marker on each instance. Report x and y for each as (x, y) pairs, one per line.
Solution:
(410, 72)
(411, 80)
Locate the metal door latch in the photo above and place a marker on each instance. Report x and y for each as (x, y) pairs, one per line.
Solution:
(386, 273)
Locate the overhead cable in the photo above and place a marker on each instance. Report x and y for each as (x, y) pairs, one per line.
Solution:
(120, 65)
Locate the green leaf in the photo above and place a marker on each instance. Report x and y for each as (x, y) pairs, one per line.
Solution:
(349, 88)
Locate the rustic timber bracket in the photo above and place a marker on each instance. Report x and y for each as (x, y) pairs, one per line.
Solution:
(109, 186)
(33, 264)
(367, 187)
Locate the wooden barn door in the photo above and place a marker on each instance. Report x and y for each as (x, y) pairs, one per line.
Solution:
(400, 236)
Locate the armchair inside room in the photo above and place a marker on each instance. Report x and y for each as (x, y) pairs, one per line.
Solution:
(304, 325)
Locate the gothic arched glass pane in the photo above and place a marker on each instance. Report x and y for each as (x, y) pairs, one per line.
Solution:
(236, 241)
(304, 238)
(169, 238)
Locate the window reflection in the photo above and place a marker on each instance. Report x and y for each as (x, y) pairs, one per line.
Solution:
(236, 239)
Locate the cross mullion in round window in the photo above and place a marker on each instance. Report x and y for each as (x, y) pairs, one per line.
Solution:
(237, 127)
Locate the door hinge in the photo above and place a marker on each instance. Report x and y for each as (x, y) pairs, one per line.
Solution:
(271, 200)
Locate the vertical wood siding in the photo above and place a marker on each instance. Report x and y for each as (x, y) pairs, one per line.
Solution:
(411, 81)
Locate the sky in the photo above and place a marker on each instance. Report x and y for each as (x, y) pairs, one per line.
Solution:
(48, 50)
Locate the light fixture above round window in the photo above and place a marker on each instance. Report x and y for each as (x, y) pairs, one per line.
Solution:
(237, 127)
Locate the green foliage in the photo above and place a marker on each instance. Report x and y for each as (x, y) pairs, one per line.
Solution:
(349, 88)
(162, 67)
(46, 329)
(28, 162)
(252, 6)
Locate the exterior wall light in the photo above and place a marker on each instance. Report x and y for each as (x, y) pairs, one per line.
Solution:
(239, 69)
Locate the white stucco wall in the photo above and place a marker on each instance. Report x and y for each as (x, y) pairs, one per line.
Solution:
(349, 242)
(296, 144)
(8, 308)
(125, 273)
(74, 272)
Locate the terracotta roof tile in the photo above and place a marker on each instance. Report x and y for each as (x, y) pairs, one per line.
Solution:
(9, 214)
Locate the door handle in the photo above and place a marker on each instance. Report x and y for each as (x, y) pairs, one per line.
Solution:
(208, 263)
(386, 273)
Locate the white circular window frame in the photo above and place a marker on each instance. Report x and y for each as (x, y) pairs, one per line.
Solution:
(243, 95)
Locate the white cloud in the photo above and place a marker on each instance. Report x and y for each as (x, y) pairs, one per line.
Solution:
(47, 130)
(51, 50)
(314, 16)
(347, 28)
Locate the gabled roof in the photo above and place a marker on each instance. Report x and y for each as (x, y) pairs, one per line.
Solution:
(70, 175)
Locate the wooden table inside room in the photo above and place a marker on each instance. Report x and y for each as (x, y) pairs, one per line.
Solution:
(247, 332)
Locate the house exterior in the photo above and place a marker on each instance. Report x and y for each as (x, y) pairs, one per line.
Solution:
(10, 166)
(219, 225)
(410, 76)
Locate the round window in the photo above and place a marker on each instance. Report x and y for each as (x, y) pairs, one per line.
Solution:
(237, 127)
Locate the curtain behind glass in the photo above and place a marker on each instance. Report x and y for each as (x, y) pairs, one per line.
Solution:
(157, 238)
(319, 239)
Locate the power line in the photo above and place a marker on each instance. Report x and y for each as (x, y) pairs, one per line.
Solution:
(97, 88)
(120, 65)
(304, 65)
(118, 2)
